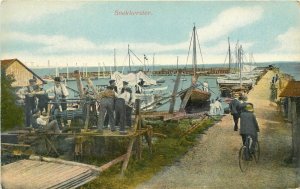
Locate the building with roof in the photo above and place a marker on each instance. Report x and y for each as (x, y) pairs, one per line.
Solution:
(20, 71)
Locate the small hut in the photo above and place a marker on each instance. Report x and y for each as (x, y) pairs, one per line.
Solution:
(292, 93)
(21, 73)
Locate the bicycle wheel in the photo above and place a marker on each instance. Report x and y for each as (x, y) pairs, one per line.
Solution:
(256, 152)
(243, 163)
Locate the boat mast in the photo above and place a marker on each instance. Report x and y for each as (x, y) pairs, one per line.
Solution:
(86, 70)
(129, 59)
(177, 63)
(240, 64)
(115, 67)
(98, 70)
(104, 69)
(56, 71)
(67, 71)
(229, 53)
(153, 63)
(194, 54)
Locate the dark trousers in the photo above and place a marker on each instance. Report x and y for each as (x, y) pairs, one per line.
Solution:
(55, 107)
(120, 113)
(236, 117)
(128, 111)
(254, 140)
(30, 107)
(106, 106)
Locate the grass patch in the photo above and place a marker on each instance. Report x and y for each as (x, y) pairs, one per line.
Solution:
(165, 152)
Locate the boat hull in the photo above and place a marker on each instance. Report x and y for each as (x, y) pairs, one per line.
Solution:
(198, 97)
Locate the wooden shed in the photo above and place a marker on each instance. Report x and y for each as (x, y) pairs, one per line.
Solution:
(292, 93)
(21, 73)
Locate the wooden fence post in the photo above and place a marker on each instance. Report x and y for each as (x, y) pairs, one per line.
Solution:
(294, 130)
(173, 99)
(289, 109)
(79, 83)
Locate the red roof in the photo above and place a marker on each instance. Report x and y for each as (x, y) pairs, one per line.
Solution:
(291, 90)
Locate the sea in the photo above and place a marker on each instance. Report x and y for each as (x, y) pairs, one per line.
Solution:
(291, 68)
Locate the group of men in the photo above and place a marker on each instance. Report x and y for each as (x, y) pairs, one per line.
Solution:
(115, 107)
(35, 99)
(243, 110)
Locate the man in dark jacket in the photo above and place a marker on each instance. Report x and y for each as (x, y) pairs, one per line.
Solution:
(234, 109)
(106, 107)
(249, 125)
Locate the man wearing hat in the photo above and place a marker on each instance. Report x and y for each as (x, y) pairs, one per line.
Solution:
(126, 99)
(30, 101)
(107, 107)
(112, 83)
(60, 94)
(235, 112)
(120, 109)
(205, 86)
(249, 125)
(139, 86)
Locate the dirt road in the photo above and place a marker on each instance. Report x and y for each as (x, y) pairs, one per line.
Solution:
(213, 162)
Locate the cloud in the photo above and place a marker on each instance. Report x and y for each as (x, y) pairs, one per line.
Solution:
(28, 11)
(228, 21)
(63, 44)
(288, 42)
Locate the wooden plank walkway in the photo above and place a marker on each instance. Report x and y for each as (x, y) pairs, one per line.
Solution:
(33, 174)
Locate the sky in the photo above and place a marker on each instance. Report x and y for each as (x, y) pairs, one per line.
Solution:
(60, 33)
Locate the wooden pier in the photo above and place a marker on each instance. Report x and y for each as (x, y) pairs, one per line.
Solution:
(218, 71)
(38, 173)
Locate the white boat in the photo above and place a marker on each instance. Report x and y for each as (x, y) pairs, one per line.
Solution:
(243, 80)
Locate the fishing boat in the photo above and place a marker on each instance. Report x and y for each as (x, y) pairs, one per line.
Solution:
(198, 96)
(240, 79)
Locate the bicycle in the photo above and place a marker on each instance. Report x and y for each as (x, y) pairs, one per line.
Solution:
(245, 154)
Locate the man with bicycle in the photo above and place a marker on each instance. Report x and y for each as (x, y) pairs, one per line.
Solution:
(248, 125)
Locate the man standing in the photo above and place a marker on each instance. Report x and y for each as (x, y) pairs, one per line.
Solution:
(205, 86)
(107, 106)
(218, 106)
(139, 86)
(129, 98)
(234, 108)
(112, 84)
(60, 94)
(120, 109)
(30, 100)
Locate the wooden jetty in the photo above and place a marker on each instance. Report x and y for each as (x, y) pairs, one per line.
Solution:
(38, 173)
(218, 71)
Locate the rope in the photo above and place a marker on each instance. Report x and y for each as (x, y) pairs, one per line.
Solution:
(200, 49)
(226, 57)
(187, 58)
(136, 56)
